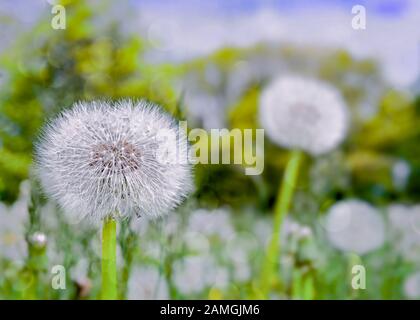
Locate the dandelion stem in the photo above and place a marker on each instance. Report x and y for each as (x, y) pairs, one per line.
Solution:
(281, 208)
(109, 261)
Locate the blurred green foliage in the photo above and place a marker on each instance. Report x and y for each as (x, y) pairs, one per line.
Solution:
(48, 70)
(384, 128)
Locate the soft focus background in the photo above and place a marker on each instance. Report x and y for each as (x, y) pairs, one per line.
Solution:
(207, 62)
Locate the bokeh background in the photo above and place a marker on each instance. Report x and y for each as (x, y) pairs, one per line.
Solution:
(207, 62)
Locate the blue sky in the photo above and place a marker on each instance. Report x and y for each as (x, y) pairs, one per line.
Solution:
(380, 7)
(188, 28)
(197, 27)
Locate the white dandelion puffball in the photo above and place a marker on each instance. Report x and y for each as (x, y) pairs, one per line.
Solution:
(355, 226)
(101, 158)
(306, 114)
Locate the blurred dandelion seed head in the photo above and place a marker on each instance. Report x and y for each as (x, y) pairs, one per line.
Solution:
(355, 226)
(195, 273)
(212, 223)
(146, 283)
(305, 114)
(101, 158)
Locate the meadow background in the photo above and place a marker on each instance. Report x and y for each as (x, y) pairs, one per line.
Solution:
(207, 62)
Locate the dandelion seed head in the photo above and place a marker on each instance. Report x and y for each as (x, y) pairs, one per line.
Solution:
(355, 226)
(306, 114)
(124, 158)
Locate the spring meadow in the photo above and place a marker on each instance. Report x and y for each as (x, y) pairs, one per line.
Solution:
(210, 150)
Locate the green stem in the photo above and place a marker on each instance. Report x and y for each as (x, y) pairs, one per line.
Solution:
(281, 208)
(109, 260)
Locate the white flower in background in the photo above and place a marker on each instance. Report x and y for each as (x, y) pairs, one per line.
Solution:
(196, 273)
(305, 232)
(55, 254)
(140, 225)
(146, 283)
(292, 236)
(79, 272)
(238, 252)
(100, 158)
(152, 249)
(305, 114)
(206, 109)
(220, 278)
(412, 286)
(290, 230)
(196, 242)
(38, 240)
(241, 265)
(404, 225)
(263, 229)
(211, 223)
(12, 226)
(50, 216)
(400, 174)
(355, 226)
(170, 226)
(190, 275)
